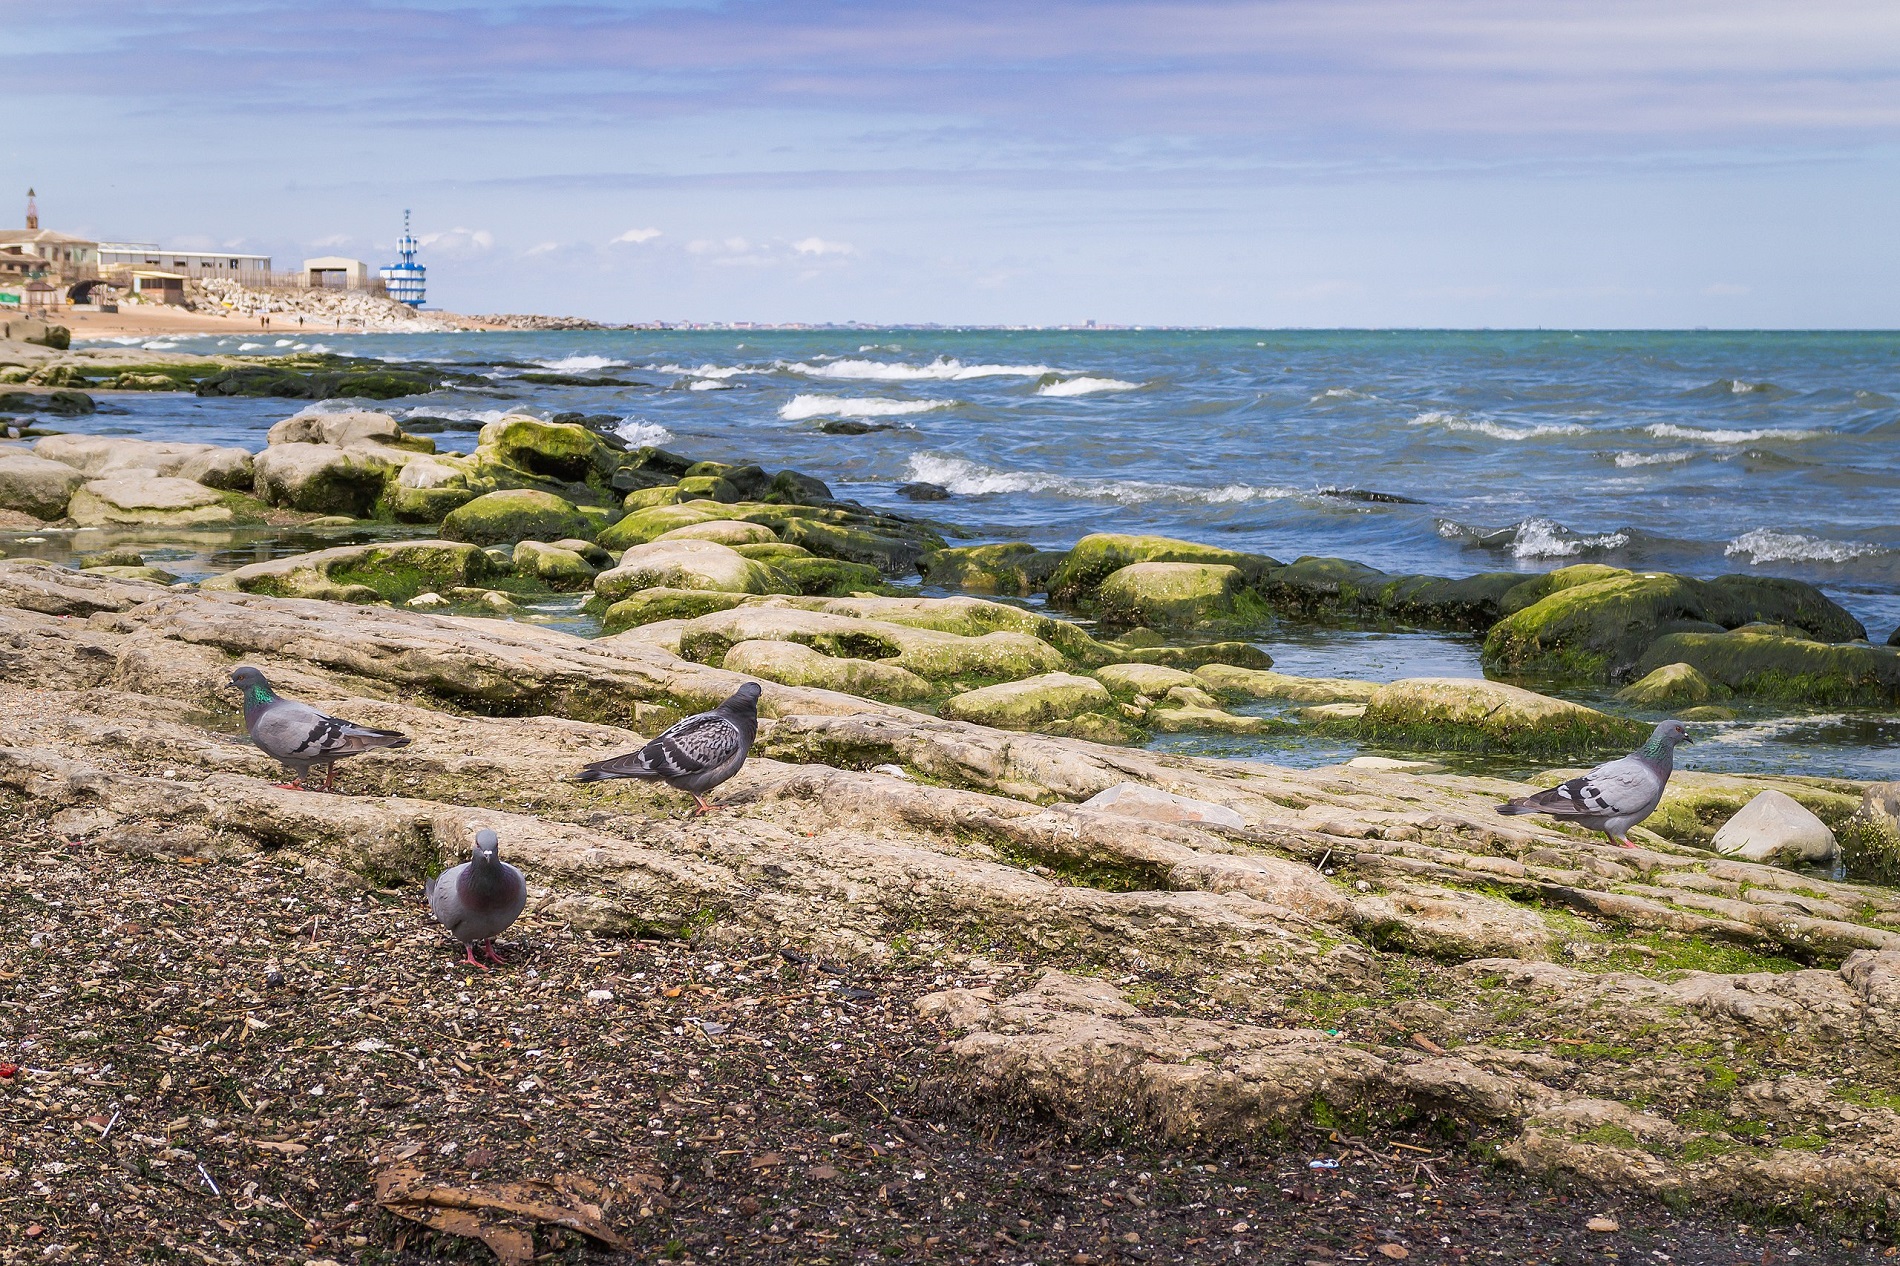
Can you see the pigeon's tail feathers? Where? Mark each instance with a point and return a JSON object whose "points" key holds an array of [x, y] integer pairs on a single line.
{"points": [[632, 765], [1516, 808], [363, 738]]}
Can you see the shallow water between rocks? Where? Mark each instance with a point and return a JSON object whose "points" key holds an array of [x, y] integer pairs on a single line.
{"points": [[1701, 453]]}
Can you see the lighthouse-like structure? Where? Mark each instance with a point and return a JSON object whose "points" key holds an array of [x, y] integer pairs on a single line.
{"points": [[404, 280]]}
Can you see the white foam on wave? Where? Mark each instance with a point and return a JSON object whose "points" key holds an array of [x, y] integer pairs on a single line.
{"points": [[483, 416], [1496, 430], [943, 369], [1547, 538], [1765, 545], [1085, 386], [579, 364], [1338, 393], [800, 407], [708, 384], [970, 479], [1625, 460], [639, 433], [247, 347], [704, 371], [1670, 431]]}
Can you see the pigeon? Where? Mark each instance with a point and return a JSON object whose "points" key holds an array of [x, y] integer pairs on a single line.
{"points": [[696, 754], [478, 900], [1615, 796], [299, 735]]}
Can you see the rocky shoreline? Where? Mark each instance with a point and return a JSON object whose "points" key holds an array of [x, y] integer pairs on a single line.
{"points": [[947, 780]]}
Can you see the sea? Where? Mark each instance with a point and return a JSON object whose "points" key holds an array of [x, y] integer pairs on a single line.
{"points": [[1444, 452]]}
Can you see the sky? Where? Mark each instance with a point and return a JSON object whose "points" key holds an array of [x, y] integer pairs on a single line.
{"points": [[1319, 163]]}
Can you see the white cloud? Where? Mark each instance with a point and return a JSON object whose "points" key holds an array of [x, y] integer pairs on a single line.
{"points": [[637, 236], [543, 248], [459, 240], [819, 246]]}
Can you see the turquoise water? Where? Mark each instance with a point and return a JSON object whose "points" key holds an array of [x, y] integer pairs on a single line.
{"points": [[1705, 453]]}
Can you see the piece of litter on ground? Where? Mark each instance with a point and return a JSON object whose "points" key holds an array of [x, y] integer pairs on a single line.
{"points": [[1603, 1224], [1322, 1163]]}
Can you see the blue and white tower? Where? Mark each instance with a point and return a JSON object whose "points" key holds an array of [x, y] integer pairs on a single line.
{"points": [[404, 280]]}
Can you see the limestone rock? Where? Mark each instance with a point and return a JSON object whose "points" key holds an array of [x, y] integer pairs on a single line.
{"points": [[661, 604], [1100, 554], [1179, 716], [930, 653], [148, 499], [321, 478], [1172, 595], [794, 664], [1151, 804], [1125, 681], [686, 563], [724, 531], [515, 514], [1672, 686], [36, 486], [346, 430], [548, 450], [1028, 704], [99, 456], [1774, 827], [1231, 682], [1013, 567], [1452, 923], [396, 571], [556, 567], [1460, 714]]}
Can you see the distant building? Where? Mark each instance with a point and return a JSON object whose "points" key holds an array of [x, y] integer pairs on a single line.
{"points": [[42, 254], [334, 272], [250, 270], [404, 280]]}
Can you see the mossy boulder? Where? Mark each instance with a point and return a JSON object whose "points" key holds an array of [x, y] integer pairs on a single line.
{"points": [[322, 478], [973, 617], [1672, 686], [774, 552], [153, 575], [794, 664], [1229, 682], [650, 606], [1765, 661], [157, 501], [749, 483], [651, 523], [789, 487], [1530, 592], [1012, 568], [558, 568], [349, 429], [1192, 717], [930, 653], [1175, 596], [687, 564], [1238, 654], [706, 488], [643, 498], [392, 572], [1032, 703], [828, 577], [1460, 714], [515, 514], [1598, 630], [724, 531], [891, 555], [1870, 838], [550, 450], [1099, 555], [1127, 681]]}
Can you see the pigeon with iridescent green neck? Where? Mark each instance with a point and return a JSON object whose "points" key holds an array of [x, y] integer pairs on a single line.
{"points": [[299, 736], [1615, 796]]}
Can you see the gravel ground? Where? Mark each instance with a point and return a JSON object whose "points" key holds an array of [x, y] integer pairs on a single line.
{"points": [[212, 1061]]}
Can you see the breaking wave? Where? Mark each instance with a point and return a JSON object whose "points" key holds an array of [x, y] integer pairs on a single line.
{"points": [[708, 384], [943, 369], [579, 364], [1626, 460], [800, 407], [1765, 545], [1534, 538], [1085, 386], [704, 371], [639, 433], [968, 478], [1497, 430], [1670, 431]]}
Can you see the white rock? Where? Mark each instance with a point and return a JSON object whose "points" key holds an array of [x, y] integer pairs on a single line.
{"points": [[1392, 765], [1774, 827], [1137, 800], [427, 600]]}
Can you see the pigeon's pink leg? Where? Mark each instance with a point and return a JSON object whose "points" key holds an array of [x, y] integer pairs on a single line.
{"points": [[471, 960], [329, 776], [1612, 839], [488, 948], [705, 806], [295, 784]]}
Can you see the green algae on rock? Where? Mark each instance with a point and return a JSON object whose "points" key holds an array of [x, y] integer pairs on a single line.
{"points": [[1450, 714], [795, 664], [1672, 686], [1774, 662], [515, 514], [1231, 682], [391, 572], [651, 606], [1176, 596], [1011, 568], [554, 566], [677, 563], [1031, 703], [1100, 554]]}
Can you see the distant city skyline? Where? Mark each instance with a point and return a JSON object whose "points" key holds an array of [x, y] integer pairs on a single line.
{"points": [[1288, 163]]}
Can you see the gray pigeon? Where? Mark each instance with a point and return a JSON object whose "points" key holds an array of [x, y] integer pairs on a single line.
{"points": [[694, 755], [1615, 796], [299, 735], [478, 900]]}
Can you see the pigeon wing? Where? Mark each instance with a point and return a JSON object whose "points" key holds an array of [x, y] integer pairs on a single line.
{"points": [[1622, 786], [298, 732], [698, 743]]}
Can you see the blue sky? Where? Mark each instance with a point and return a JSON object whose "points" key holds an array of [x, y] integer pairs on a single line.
{"points": [[1260, 162]]}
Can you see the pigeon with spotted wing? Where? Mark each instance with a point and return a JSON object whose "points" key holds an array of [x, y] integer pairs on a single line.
{"points": [[299, 736], [696, 754], [1615, 796], [478, 900]]}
